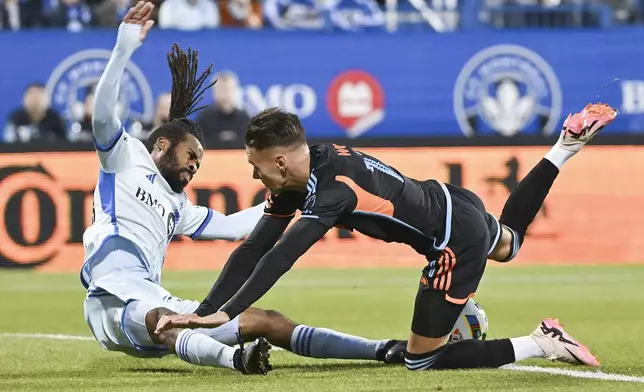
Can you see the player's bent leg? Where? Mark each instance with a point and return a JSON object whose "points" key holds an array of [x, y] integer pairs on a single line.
{"points": [[434, 318], [522, 207], [504, 248], [525, 201], [427, 349], [315, 342], [141, 318]]}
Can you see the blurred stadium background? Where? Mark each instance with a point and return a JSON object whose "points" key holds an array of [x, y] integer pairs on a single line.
{"points": [[467, 91]]}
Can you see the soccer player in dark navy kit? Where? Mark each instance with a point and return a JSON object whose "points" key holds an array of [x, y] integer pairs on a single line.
{"points": [[333, 185]]}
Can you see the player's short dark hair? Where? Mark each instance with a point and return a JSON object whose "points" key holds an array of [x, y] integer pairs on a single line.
{"points": [[274, 128], [187, 92]]}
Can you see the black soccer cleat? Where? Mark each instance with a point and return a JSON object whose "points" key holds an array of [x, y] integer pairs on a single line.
{"points": [[254, 358], [393, 352]]}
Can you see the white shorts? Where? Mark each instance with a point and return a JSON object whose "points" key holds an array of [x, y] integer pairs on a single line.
{"points": [[118, 302]]}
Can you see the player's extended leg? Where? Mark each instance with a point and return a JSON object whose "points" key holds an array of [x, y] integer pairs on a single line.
{"points": [[198, 348], [525, 201], [305, 340], [445, 286], [549, 341]]}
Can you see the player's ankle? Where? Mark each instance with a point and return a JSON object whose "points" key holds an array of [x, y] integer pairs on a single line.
{"points": [[558, 155], [526, 347]]}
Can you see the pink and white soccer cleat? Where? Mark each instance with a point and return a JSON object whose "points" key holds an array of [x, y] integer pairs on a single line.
{"points": [[580, 127], [559, 346]]}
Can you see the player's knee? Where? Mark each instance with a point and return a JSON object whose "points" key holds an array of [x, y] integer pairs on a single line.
{"points": [[152, 319], [276, 317], [508, 246], [254, 322], [503, 246], [261, 322]]}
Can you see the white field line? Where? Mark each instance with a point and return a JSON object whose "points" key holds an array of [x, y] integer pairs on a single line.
{"points": [[595, 375]]}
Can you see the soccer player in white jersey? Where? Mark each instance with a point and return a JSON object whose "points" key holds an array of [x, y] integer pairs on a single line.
{"points": [[139, 205]]}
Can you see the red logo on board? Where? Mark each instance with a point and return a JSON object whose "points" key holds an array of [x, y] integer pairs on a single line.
{"points": [[356, 102]]}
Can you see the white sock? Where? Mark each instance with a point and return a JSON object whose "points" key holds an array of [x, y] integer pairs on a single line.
{"points": [[325, 343], [199, 349], [525, 347], [226, 334], [559, 155]]}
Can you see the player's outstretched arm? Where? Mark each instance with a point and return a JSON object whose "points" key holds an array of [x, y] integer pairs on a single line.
{"points": [[297, 240], [271, 267], [131, 33], [233, 227], [242, 262]]}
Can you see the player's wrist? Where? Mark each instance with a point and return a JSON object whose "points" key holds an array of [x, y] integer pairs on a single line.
{"points": [[128, 38], [229, 312]]}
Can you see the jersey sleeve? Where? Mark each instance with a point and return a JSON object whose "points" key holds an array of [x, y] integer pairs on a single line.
{"points": [[204, 223], [117, 155], [327, 202], [194, 220], [113, 145]]}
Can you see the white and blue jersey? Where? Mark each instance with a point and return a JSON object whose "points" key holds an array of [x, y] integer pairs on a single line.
{"points": [[132, 200], [135, 216]]}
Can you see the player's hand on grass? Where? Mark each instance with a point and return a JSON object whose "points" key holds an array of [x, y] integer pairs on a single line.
{"points": [[191, 320], [141, 15]]}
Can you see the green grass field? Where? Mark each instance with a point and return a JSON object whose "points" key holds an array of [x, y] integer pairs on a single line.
{"points": [[601, 306]]}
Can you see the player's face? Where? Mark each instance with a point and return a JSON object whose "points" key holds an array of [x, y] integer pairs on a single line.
{"points": [[268, 168], [181, 162]]}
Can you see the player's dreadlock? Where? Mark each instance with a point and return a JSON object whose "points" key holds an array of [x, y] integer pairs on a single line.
{"points": [[187, 92], [187, 89]]}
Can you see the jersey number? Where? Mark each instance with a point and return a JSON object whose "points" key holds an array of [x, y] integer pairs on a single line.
{"points": [[342, 150]]}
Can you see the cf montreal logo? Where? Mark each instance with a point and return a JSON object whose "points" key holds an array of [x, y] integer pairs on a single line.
{"points": [[75, 76], [172, 223], [507, 89]]}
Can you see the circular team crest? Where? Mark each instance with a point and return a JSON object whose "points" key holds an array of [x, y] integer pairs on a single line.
{"points": [[172, 224], [355, 101], [76, 76], [507, 90]]}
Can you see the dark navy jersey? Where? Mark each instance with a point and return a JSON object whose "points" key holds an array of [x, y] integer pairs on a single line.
{"points": [[353, 190], [346, 188]]}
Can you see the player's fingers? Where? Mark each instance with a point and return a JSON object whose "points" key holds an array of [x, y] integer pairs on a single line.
{"points": [[129, 16], [164, 324], [146, 27], [147, 12], [141, 10]]}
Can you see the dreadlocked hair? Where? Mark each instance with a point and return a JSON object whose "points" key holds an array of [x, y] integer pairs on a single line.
{"points": [[187, 92]]}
